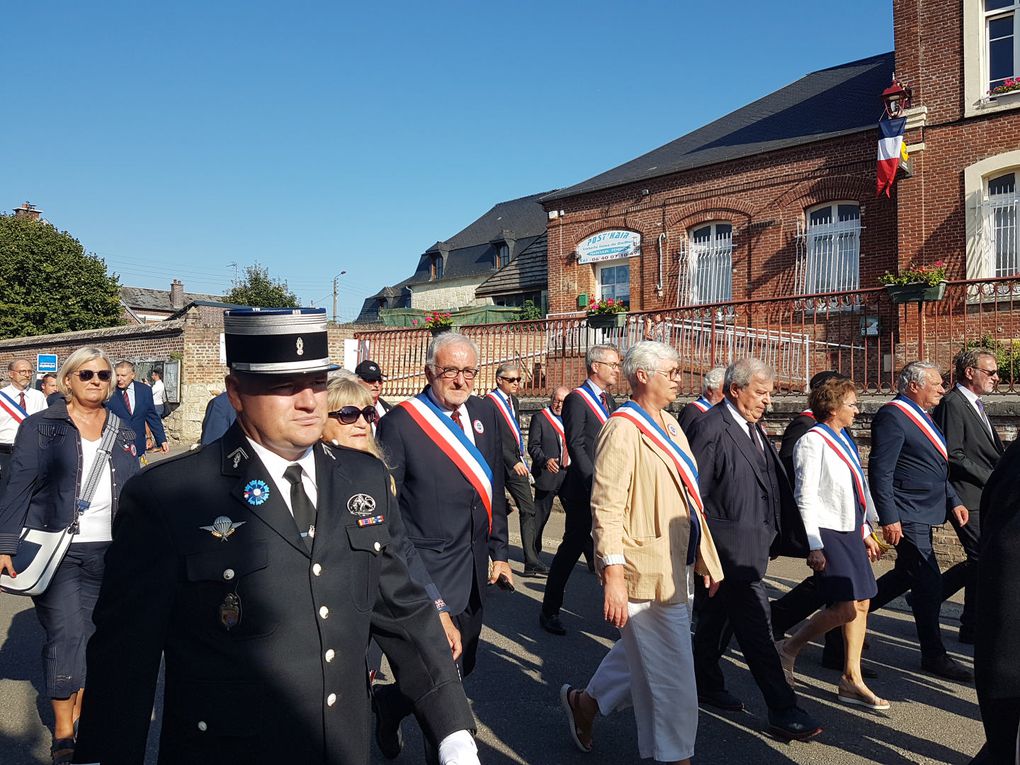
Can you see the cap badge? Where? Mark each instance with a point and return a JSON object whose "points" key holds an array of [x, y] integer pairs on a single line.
{"points": [[300, 344], [256, 492], [361, 504], [222, 527]]}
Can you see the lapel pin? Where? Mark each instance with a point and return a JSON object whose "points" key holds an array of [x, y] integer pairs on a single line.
{"points": [[479, 428], [222, 527], [256, 492], [236, 456]]}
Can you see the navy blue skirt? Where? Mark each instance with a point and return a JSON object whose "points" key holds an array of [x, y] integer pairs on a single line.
{"points": [[848, 574]]}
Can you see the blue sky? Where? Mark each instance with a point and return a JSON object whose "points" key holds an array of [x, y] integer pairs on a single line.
{"points": [[175, 139]]}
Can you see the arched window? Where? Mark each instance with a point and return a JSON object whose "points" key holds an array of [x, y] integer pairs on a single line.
{"points": [[706, 265], [830, 248]]}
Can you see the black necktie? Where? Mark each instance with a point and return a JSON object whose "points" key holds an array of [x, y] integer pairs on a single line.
{"points": [[754, 435], [304, 510]]}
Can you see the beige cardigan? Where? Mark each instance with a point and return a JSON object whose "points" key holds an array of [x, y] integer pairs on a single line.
{"points": [[640, 511]]}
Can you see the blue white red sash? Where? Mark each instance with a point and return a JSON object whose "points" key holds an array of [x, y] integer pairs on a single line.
{"points": [[508, 414], [561, 434], [684, 464], [594, 402], [846, 450], [808, 413], [455, 444], [10, 406], [924, 423], [702, 404]]}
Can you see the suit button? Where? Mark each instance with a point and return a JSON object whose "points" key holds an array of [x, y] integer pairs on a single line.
{"points": [[331, 699], [316, 569], [202, 726], [330, 654], [324, 612], [228, 574], [377, 547]]}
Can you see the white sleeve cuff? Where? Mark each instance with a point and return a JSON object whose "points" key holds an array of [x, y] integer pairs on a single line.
{"points": [[458, 749], [613, 560]]}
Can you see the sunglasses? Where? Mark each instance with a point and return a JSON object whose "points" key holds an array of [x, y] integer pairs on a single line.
{"points": [[349, 414], [511, 379], [85, 375]]}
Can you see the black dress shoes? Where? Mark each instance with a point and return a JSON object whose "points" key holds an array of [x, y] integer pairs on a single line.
{"points": [[537, 571], [551, 623], [793, 724], [723, 700], [947, 667]]}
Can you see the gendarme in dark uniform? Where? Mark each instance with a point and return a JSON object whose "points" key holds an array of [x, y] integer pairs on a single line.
{"points": [[264, 629]]}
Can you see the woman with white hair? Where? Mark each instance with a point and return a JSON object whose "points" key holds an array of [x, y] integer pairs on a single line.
{"points": [[650, 534]]}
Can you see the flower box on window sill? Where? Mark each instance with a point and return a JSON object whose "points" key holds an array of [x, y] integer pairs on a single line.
{"points": [[916, 292], [607, 320], [1012, 98]]}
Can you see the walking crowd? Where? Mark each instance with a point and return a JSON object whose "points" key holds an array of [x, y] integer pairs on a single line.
{"points": [[319, 527]]}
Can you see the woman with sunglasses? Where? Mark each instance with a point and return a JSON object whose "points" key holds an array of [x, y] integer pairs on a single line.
{"points": [[53, 456]]}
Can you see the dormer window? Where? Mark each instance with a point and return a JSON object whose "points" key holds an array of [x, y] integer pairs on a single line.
{"points": [[502, 255], [436, 267]]}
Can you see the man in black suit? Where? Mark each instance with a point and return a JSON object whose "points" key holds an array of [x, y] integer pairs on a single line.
{"points": [[260, 566], [454, 511], [370, 375], [711, 394], [504, 402], [974, 450], [908, 471], [750, 508], [132, 402], [584, 412], [547, 446], [997, 649]]}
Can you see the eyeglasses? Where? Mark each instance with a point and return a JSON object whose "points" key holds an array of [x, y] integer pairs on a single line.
{"points": [[22, 371], [510, 379], [611, 364], [989, 372], [671, 374], [348, 415], [85, 375], [449, 373]]}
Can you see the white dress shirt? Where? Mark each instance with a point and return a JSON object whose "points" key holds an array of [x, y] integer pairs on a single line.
{"points": [[973, 398], [465, 417], [276, 466], [35, 401]]}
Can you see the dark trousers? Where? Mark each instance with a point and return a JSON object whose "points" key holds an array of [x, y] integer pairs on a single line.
{"points": [[745, 606], [965, 574], [576, 542], [1001, 718], [65, 613], [543, 508], [519, 488], [916, 569]]}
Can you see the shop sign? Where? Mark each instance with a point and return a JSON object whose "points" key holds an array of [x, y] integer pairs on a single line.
{"points": [[609, 245]]}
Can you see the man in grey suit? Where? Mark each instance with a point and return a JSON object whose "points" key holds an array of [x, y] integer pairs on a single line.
{"points": [[974, 449]]}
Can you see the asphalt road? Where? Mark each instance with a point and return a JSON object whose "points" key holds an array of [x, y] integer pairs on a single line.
{"points": [[520, 669]]}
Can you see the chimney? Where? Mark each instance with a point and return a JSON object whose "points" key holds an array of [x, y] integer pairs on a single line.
{"points": [[27, 210], [177, 294]]}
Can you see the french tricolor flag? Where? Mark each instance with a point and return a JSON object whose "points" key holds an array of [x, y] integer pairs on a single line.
{"points": [[891, 150]]}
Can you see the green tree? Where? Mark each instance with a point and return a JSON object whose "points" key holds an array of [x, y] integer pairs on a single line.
{"points": [[259, 290], [49, 283]]}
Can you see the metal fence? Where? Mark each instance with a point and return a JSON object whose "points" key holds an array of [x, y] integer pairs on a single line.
{"points": [[861, 333]]}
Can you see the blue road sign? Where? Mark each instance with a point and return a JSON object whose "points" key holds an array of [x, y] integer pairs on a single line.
{"points": [[46, 362]]}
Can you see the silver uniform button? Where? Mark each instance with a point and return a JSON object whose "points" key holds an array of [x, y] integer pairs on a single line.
{"points": [[316, 569], [377, 547], [331, 699], [330, 654], [228, 574], [202, 726], [324, 612]]}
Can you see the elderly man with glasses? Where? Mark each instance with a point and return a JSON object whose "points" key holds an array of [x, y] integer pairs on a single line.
{"points": [[17, 400], [446, 456]]}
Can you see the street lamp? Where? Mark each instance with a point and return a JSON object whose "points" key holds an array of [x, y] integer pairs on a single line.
{"points": [[336, 281], [897, 98]]}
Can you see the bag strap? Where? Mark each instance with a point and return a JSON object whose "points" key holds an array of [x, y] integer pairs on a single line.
{"points": [[102, 456]]}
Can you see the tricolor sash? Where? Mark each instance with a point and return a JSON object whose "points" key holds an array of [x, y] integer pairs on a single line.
{"points": [[455, 444], [846, 450], [594, 402], [702, 403], [808, 413], [508, 414], [923, 422], [557, 425], [10, 406], [684, 464]]}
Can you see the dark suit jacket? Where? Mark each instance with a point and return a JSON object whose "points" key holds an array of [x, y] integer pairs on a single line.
{"points": [[543, 445], [582, 430], [385, 404], [511, 453], [144, 412], [909, 479], [997, 652], [973, 450], [260, 692], [444, 516], [219, 416], [798, 426], [736, 493], [688, 415]]}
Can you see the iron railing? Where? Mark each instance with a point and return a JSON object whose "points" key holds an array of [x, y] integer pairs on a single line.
{"points": [[861, 333]]}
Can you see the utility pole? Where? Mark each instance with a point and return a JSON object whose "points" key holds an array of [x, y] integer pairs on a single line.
{"points": [[336, 282]]}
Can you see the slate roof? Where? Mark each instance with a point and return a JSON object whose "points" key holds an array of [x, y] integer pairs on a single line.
{"points": [[825, 104], [143, 299], [528, 271]]}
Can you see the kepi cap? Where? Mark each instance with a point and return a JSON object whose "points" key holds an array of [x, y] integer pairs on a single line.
{"points": [[369, 371], [277, 341]]}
